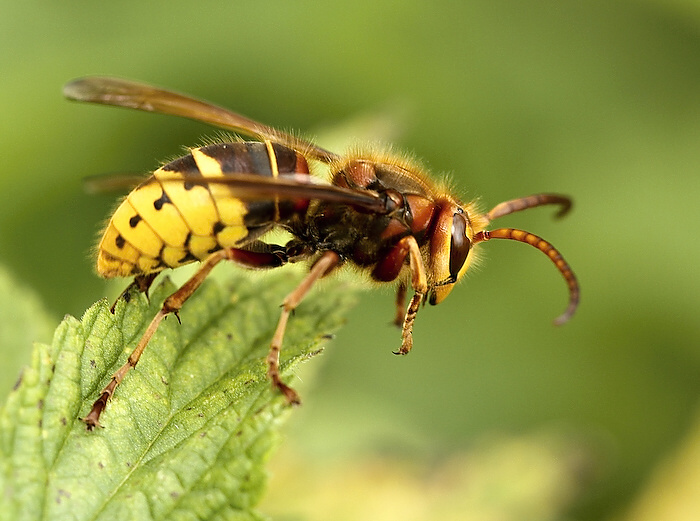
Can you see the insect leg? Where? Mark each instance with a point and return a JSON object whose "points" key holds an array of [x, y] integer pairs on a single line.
{"points": [[400, 304], [173, 304], [321, 267], [141, 282], [419, 284]]}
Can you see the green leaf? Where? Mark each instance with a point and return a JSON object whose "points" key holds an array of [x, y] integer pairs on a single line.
{"points": [[23, 320], [187, 432]]}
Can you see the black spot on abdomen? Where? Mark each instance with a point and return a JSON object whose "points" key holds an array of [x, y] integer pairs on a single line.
{"points": [[164, 199]]}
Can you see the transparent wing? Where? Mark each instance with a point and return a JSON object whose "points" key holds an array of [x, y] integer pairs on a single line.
{"points": [[251, 187], [287, 186], [125, 93]]}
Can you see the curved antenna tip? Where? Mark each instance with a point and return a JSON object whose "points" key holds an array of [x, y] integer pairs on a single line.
{"points": [[566, 315]]}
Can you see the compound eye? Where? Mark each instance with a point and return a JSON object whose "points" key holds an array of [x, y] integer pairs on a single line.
{"points": [[459, 245]]}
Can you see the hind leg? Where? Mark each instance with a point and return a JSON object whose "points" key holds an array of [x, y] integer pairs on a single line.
{"points": [[173, 304]]}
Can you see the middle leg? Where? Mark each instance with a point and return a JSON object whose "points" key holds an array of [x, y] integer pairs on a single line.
{"points": [[321, 267]]}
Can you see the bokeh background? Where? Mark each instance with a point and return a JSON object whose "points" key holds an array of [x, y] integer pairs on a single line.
{"points": [[496, 414]]}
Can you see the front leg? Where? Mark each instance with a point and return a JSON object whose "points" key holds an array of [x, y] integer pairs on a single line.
{"points": [[419, 283], [400, 304]]}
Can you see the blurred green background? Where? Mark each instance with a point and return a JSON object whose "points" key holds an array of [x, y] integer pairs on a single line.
{"points": [[599, 100]]}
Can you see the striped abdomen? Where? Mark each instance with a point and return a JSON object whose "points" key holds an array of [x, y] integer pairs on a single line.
{"points": [[165, 223]]}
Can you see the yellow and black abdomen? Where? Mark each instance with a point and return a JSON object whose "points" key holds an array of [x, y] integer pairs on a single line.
{"points": [[166, 222]]}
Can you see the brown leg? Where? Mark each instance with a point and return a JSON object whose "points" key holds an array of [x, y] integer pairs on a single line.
{"points": [[321, 267], [420, 287], [400, 304], [141, 282], [172, 304]]}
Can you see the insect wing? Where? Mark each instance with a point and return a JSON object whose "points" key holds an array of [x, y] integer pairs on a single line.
{"points": [[109, 183], [285, 187], [130, 94]]}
